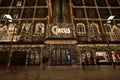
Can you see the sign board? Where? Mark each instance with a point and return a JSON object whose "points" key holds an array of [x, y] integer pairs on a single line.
{"points": [[60, 30]]}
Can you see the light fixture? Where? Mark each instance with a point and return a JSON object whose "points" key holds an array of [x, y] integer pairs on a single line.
{"points": [[8, 17], [110, 18], [108, 22]]}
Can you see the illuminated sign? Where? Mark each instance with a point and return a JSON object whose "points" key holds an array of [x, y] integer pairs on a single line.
{"points": [[56, 30], [60, 30]]}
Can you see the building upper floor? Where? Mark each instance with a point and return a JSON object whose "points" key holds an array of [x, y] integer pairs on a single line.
{"points": [[83, 20]]}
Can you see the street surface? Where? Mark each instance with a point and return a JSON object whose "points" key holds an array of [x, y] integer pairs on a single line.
{"points": [[60, 73]]}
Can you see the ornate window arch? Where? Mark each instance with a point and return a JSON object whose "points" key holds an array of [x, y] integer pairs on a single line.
{"points": [[107, 28], [95, 28], [39, 28], [80, 28], [28, 13], [15, 14], [115, 31], [26, 27], [11, 28]]}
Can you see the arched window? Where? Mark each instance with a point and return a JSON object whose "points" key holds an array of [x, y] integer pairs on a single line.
{"points": [[39, 28], [15, 14], [28, 13], [25, 27], [115, 33], [80, 27], [11, 28], [107, 28], [4, 33], [95, 29]]}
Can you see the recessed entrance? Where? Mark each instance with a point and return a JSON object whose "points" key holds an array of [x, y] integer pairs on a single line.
{"points": [[61, 57]]}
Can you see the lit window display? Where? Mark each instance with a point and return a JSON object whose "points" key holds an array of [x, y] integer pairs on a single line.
{"points": [[103, 56], [19, 3], [116, 56], [39, 29]]}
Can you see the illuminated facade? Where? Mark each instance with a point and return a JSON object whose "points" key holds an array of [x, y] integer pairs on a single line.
{"points": [[61, 30]]}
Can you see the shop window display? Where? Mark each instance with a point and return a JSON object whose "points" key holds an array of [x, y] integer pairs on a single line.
{"points": [[116, 56], [103, 56]]}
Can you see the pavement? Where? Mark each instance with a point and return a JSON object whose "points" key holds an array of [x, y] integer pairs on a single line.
{"points": [[104, 72]]}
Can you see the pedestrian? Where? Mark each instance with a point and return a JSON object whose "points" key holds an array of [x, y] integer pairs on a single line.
{"points": [[46, 61], [97, 60], [83, 61], [68, 59], [86, 61], [43, 62], [92, 59]]}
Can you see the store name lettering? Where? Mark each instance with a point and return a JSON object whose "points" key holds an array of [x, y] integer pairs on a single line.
{"points": [[56, 30]]}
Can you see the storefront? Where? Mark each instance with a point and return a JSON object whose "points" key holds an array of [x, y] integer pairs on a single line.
{"points": [[60, 54]]}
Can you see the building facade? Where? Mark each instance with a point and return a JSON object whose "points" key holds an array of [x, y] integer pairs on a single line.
{"points": [[62, 30]]}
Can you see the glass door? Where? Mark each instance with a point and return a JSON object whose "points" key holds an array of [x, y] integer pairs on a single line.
{"points": [[61, 57], [34, 58]]}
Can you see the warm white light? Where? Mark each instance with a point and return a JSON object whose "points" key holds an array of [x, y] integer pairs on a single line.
{"points": [[110, 18], [108, 22], [7, 16]]}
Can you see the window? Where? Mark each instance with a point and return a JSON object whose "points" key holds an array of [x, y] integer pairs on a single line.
{"points": [[92, 13], [39, 28], [104, 13], [89, 2], [5, 2], [11, 28], [41, 13], [77, 2], [113, 2], [26, 26], [2, 12], [42, 3], [101, 2], [79, 13], [116, 12], [15, 13], [80, 27], [30, 3], [107, 28], [95, 28], [28, 13], [19, 3]]}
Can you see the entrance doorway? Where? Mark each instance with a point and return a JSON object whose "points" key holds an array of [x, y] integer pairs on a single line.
{"points": [[61, 56], [34, 58]]}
